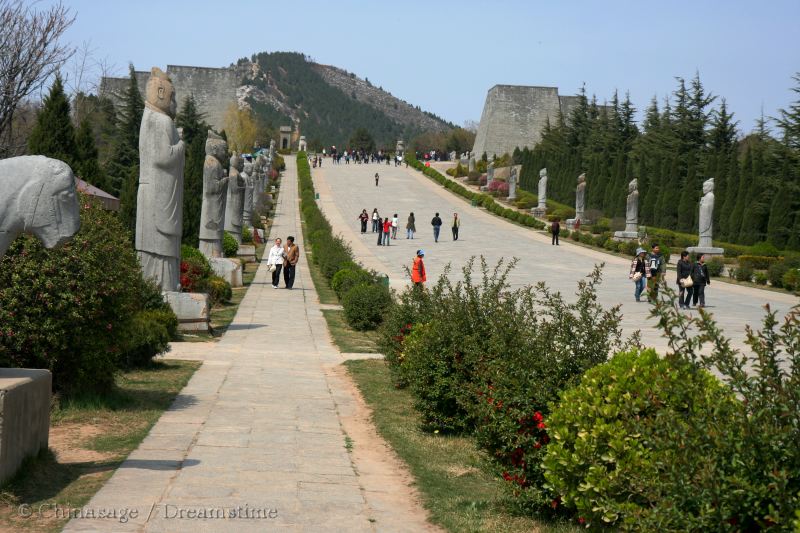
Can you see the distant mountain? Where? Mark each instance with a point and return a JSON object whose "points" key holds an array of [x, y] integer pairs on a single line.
{"points": [[327, 103]]}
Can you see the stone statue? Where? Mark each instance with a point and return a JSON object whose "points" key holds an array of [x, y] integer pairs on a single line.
{"points": [[260, 168], [471, 164], [272, 150], [235, 202], [400, 148], [37, 196], [302, 146], [707, 213], [215, 191], [159, 211], [512, 183], [247, 210], [632, 209], [490, 174], [580, 197], [542, 189]]}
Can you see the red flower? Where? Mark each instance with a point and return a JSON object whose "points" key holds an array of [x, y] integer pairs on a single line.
{"points": [[537, 416], [581, 520], [506, 476], [555, 502], [545, 439], [537, 445], [541, 425]]}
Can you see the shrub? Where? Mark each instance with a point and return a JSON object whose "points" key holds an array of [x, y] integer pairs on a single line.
{"points": [[474, 175], [331, 254], [247, 236], [757, 262], [776, 272], [791, 280], [764, 249], [229, 245], [148, 334], [347, 278], [743, 273], [715, 267], [633, 435], [365, 305], [601, 226], [218, 290], [68, 309], [195, 270], [450, 172], [760, 278], [460, 171]]}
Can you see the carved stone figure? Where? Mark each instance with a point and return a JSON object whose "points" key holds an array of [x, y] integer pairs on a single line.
{"points": [[512, 184], [542, 189], [272, 150], [247, 210], [707, 213], [471, 164], [400, 148], [632, 209], [260, 169], [159, 211], [235, 203], [37, 196], [580, 197], [215, 191], [490, 174], [301, 144]]}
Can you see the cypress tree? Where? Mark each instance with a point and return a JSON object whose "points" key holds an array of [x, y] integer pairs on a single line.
{"points": [[789, 120], [689, 196], [88, 167], [53, 134], [195, 131]]}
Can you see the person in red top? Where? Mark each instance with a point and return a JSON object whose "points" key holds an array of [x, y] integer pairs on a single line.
{"points": [[418, 269], [387, 230]]}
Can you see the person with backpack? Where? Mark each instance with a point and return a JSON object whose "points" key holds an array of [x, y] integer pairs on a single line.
{"points": [[639, 273], [411, 227], [555, 229], [700, 279], [363, 217], [684, 268], [436, 222], [418, 270]]}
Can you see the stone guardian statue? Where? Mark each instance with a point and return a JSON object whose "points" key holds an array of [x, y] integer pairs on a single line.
{"points": [[580, 198], [159, 212], [215, 191], [37, 196], [235, 203], [632, 208], [543, 189], [249, 185], [512, 183], [706, 245]]}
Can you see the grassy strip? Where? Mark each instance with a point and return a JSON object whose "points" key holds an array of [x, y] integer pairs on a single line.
{"points": [[456, 481], [347, 339], [89, 439]]}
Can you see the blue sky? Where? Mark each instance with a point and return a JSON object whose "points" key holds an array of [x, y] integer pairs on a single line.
{"points": [[445, 55]]}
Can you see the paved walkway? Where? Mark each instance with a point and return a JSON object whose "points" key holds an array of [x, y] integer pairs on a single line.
{"points": [[260, 430], [347, 189]]}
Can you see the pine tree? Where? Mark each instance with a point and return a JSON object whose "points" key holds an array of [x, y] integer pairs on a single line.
{"points": [[195, 131], [53, 134], [789, 120], [88, 167], [689, 195]]}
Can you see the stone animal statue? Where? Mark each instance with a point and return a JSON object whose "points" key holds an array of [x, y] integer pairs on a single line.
{"points": [[37, 196]]}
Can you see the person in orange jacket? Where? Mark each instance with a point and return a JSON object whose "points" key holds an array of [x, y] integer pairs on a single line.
{"points": [[418, 269]]}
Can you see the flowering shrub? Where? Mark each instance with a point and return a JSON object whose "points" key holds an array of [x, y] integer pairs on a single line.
{"points": [[499, 188], [194, 273]]}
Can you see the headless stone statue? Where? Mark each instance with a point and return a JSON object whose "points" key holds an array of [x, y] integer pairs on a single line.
{"points": [[37, 196], [215, 191], [235, 203], [632, 209], [159, 212], [247, 210], [543, 189], [580, 197], [707, 213]]}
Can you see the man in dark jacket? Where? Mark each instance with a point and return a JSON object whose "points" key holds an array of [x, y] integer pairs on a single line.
{"points": [[700, 279], [555, 229], [655, 263], [684, 268], [436, 222]]}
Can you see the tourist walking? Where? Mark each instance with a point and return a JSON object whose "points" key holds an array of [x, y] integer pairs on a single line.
{"points": [[375, 218], [387, 231], [656, 265], [436, 222], [639, 273], [380, 231], [376, 179], [290, 262], [394, 225], [364, 218], [275, 260], [456, 225], [418, 269], [700, 279], [684, 268], [555, 229], [411, 227]]}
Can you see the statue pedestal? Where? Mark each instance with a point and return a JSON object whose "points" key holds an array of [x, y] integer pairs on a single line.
{"points": [[626, 235], [24, 416], [228, 269], [191, 308], [247, 252], [539, 212], [707, 250]]}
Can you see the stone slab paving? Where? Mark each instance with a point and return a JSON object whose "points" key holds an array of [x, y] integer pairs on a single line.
{"points": [[347, 189], [258, 430]]}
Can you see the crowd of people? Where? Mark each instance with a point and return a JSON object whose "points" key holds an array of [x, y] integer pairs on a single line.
{"points": [[358, 157], [386, 227], [648, 271]]}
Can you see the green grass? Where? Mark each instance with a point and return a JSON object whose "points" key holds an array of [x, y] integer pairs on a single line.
{"points": [[456, 481], [347, 339], [92, 435]]}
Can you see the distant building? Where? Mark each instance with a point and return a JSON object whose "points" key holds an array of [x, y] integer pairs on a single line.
{"points": [[110, 203]]}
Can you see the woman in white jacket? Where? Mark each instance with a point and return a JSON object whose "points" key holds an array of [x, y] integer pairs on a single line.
{"points": [[275, 262]]}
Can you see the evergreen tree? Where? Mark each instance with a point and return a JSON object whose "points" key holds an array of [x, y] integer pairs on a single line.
{"points": [[195, 131], [88, 167], [53, 134], [789, 120]]}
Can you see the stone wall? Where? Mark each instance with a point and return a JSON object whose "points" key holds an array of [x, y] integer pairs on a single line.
{"points": [[214, 89], [24, 416], [515, 116]]}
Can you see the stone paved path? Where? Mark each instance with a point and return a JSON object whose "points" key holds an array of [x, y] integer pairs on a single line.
{"points": [[261, 426], [347, 189]]}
